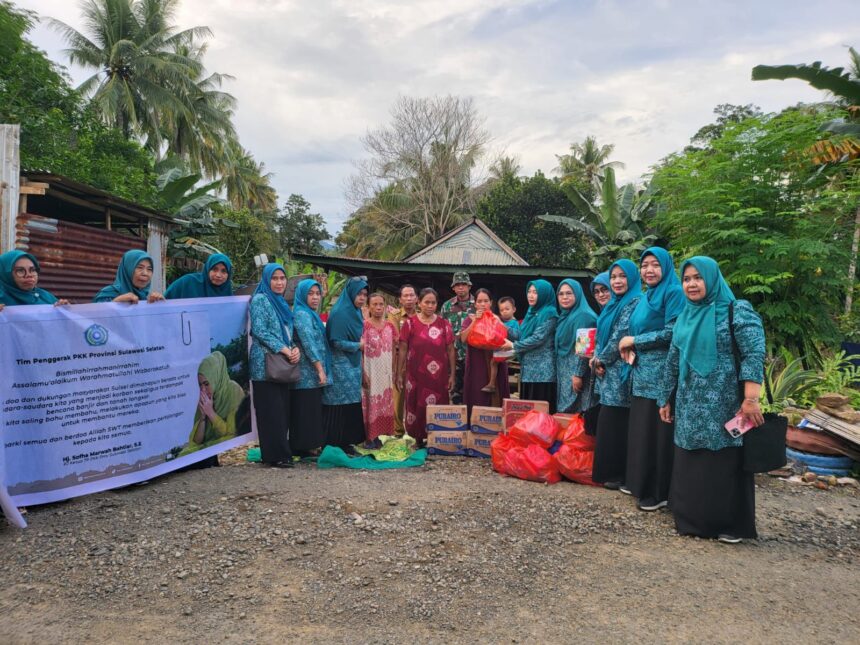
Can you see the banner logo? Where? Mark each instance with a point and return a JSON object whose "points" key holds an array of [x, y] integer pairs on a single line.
{"points": [[96, 335]]}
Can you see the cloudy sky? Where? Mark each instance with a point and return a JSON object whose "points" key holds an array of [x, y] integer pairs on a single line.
{"points": [[312, 76]]}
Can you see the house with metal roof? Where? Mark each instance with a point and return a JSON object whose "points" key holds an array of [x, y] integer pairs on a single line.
{"points": [[471, 247]]}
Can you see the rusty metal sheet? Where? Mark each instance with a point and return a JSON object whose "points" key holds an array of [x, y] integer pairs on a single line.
{"points": [[76, 260]]}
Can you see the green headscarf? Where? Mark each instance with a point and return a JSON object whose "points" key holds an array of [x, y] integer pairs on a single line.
{"points": [[198, 285], [345, 321], [695, 331], [579, 316], [10, 294], [543, 310], [226, 393], [123, 281]]}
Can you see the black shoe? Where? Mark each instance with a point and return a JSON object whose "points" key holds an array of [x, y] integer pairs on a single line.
{"points": [[283, 464], [729, 539], [651, 505], [625, 490], [612, 485]]}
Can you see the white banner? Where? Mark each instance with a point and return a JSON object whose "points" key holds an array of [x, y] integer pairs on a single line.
{"points": [[106, 395]]}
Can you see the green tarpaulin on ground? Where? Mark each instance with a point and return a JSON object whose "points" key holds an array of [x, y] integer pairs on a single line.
{"points": [[332, 457]]}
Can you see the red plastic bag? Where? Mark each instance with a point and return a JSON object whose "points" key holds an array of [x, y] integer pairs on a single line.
{"points": [[501, 445], [488, 332], [532, 463], [575, 458], [536, 427]]}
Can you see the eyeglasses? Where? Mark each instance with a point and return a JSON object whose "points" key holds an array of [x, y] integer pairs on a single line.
{"points": [[22, 272]]}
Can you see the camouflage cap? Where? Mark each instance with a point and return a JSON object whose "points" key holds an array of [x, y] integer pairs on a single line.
{"points": [[461, 277]]}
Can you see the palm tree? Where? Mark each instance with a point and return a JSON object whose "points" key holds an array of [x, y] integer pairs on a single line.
{"points": [[614, 224], [247, 183], [586, 164], [504, 167], [145, 74]]}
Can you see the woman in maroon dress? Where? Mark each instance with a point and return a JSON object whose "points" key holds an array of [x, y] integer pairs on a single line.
{"points": [[426, 362], [477, 373]]}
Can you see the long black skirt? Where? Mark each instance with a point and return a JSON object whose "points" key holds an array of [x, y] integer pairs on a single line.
{"points": [[590, 417], [306, 424], [343, 425], [650, 448], [272, 407], [540, 392], [610, 448], [711, 495]]}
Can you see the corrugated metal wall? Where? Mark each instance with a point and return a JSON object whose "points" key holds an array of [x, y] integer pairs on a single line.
{"points": [[76, 260]]}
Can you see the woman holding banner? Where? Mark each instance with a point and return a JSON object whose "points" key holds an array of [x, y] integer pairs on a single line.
{"points": [[213, 281], [19, 277], [133, 277], [272, 333]]}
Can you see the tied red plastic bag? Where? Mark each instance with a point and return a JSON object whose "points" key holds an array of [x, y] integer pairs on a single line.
{"points": [[532, 463], [488, 332], [575, 458], [535, 427], [500, 446]]}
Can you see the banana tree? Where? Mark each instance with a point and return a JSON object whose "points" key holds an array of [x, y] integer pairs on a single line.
{"points": [[615, 223]]}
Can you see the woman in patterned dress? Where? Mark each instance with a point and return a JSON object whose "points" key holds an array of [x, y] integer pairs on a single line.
{"points": [[650, 441], [479, 363], [307, 434], [711, 495], [342, 417], [536, 345], [575, 392], [613, 374], [377, 392], [427, 361]]}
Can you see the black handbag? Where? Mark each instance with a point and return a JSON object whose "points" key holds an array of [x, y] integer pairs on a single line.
{"points": [[764, 445], [280, 370]]}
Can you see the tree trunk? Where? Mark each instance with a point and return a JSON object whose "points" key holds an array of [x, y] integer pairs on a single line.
{"points": [[852, 266]]}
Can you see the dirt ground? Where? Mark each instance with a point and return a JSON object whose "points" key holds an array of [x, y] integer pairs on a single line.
{"points": [[448, 553]]}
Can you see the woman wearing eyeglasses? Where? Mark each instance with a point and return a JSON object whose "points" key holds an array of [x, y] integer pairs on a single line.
{"points": [[19, 277]]}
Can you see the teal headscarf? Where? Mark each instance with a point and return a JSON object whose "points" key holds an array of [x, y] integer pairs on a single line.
{"points": [[579, 316], [544, 309], [10, 294], [695, 331], [300, 303], [198, 285], [124, 272], [601, 279], [662, 303], [345, 321], [278, 302], [610, 312]]}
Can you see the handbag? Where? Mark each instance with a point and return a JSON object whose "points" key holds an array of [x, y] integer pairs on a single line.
{"points": [[279, 369], [764, 445]]}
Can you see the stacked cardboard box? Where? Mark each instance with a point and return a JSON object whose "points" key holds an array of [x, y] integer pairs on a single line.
{"points": [[486, 424], [447, 429], [514, 409]]}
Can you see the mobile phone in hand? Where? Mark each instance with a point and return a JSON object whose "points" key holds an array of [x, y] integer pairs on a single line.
{"points": [[738, 425]]}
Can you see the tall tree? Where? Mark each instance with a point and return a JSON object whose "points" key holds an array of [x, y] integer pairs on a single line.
{"points": [[513, 208], [149, 80], [247, 183], [420, 173], [300, 230], [586, 164]]}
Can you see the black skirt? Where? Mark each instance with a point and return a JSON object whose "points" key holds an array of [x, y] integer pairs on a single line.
{"points": [[272, 407], [610, 449], [343, 425], [306, 425], [590, 417], [650, 448], [539, 392], [711, 495]]}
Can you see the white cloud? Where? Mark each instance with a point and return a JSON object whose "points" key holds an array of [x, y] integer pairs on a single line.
{"points": [[313, 77]]}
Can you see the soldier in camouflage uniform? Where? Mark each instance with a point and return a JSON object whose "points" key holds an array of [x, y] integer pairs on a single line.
{"points": [[456, 311]]}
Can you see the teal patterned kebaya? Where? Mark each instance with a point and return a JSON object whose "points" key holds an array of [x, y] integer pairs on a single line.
{"points": [[703, 404], [615, 385], [537, 354], [266, 335]]}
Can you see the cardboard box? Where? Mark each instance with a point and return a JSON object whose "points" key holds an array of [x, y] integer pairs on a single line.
{"points": [[487, 420], [513, 409], [478, 444], [447, 442], [447, 417]]}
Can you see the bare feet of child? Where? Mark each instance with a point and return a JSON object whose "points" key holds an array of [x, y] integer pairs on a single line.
{"points": [[491, 388]]}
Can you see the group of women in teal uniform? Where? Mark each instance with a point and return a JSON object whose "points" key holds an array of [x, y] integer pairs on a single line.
{"points": [[666, 380]]}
